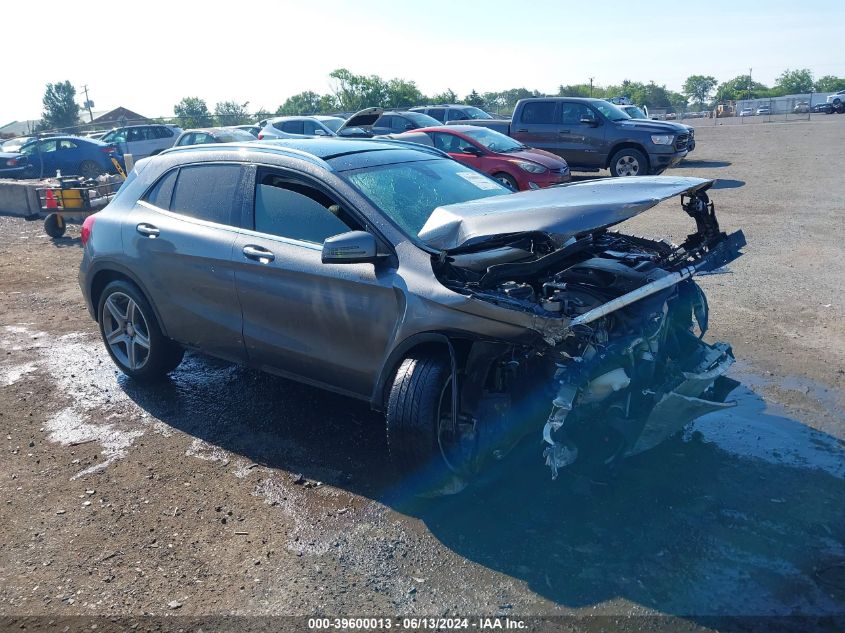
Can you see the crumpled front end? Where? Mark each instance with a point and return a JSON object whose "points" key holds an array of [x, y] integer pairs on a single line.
{"points": [[621, 324]]}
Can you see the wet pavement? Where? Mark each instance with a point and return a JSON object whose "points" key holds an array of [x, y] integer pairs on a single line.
{"points": [[740, 515]]}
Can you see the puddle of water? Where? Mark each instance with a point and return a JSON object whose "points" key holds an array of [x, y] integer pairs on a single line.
{"points": [[756, 430]]}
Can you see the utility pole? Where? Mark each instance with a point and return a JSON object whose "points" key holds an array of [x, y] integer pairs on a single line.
{"points": [[748, 93], [591, 87], [88, 103]]}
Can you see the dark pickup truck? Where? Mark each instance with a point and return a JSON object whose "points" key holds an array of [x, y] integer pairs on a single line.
{"points": [[593, 134]]}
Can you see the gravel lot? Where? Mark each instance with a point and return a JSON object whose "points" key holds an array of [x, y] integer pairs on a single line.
{"points": [[225, 491]]}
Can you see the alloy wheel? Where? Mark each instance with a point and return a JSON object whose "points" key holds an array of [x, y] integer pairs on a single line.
{"points": [[126, 331], [627, 166]]}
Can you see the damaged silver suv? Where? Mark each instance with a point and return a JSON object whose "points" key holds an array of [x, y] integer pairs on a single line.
{"points": [[388, 272]]}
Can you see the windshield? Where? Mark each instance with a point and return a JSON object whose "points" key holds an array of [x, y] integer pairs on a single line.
{"points": [[420, 119], [610, 111], [476, 113], [115, 136], [230, 136], [409, 192], [635, 113], [494, 141], [333, 123], [15, 144]]}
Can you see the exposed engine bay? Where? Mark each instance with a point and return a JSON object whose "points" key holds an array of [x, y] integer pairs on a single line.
{"points": [[621, 325]]}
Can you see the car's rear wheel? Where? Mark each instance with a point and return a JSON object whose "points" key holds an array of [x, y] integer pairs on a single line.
{"points": [[132, 334], [507, 180], [424, 443], [628, 162], [89, 169]]}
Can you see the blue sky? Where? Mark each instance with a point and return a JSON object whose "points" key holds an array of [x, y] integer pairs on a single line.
{"points": [[148, 56]]}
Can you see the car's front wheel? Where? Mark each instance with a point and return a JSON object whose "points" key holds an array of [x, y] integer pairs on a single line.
{"points": [[424, 442], [132, 334], [507, 180], [628, 162]]}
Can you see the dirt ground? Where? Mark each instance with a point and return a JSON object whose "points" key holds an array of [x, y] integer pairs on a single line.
{"points": [[225, 491]]}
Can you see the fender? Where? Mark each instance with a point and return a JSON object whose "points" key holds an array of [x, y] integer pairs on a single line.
{"points": [[108, 265]]}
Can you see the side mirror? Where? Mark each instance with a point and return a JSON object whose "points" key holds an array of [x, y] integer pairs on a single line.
{"points": [[353, 247], [471, 149], [409, 126], [589, 120], [319, 132]]}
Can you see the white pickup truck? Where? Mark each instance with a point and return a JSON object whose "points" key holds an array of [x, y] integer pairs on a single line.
{"points": [[837, 100]]}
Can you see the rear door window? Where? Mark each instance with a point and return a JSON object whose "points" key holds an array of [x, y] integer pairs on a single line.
{"points": [[291, 209], [208, 192], [456, 114], [293, 127], [437, 113], [538, 112]]}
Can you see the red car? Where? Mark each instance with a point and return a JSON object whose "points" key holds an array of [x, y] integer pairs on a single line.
{"points": [[493, 153]]}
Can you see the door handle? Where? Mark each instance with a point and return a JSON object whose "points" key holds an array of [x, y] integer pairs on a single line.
{"points": [[147, 229], [259, 254], [564, 131], [518, 131]]}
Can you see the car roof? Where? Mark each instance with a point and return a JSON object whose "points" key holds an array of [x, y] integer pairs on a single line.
{"points": [[321, 148], [296, 117]]}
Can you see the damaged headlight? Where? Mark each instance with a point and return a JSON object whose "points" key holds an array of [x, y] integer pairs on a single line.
{"points": [[533, 168], [662, 139]]}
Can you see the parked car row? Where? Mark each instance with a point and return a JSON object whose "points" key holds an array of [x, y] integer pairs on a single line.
{"points": [[537, 147]]}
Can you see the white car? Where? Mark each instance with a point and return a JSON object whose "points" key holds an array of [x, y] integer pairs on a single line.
{"points": [[298, 126], [746, 112], [142, 140], [836, 99]]}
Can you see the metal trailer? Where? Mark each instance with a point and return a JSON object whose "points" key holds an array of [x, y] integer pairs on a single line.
{"points": [[74, 196]]}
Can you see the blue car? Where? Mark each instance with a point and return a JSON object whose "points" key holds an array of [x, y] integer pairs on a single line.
{"points": [[71, 155]]}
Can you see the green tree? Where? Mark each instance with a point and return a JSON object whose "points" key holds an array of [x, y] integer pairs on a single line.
{"points": [[792, 82], [445, 97], [829, 83], [307, 102], [474, 99], [328, 104], [60, 108], [192, 112], [261, 114], [355, 92], [741, 87], [400, 93], [576, 90], [698, 88], [232, 113]]}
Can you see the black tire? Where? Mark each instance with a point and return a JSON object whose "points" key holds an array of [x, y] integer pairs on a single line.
{"points": [[419, 399], [89, 169], [162, 355], [507, 180], [628, 162], [54, 225]]}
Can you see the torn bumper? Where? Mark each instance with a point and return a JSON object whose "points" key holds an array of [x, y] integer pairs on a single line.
{"points": [[685, 403]]}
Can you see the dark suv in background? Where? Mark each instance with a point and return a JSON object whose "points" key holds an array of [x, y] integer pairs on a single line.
{"points": [[379, 122], [453, 112]]}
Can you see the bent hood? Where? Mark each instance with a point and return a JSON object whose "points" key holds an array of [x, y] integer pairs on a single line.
{"points": [[562, 211]]}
